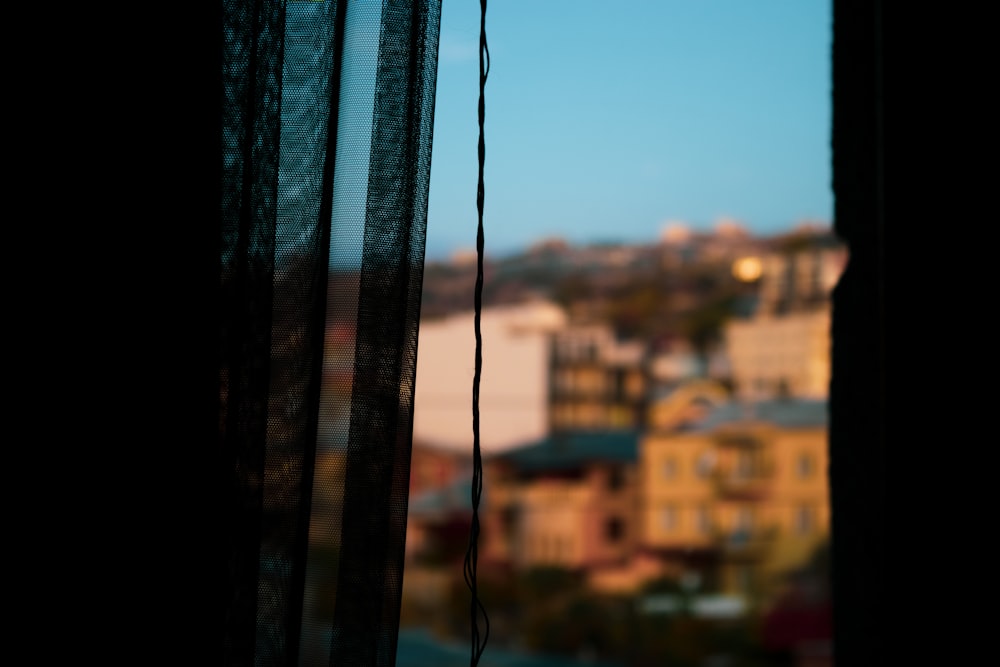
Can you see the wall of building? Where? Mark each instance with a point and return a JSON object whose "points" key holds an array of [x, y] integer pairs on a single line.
{"points": [[596, 381], [755, 494], [563, 520], [790, 354], [677, 491], [514, 385]]}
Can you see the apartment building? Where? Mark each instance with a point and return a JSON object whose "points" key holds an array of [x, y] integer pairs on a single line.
{"points": [[596, 381], [568, 501], [740, 497]]}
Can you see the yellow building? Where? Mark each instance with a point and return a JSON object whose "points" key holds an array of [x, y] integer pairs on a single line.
{"points": [[742, 497]]}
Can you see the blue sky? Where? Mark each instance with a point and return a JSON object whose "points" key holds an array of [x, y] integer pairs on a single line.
{"points": [[606, 120]]}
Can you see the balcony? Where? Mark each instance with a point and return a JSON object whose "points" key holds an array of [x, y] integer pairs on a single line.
{"points": [[753, 483]]}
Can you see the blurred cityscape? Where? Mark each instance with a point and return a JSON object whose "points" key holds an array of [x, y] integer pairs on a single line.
{"points": [[654, 426]]}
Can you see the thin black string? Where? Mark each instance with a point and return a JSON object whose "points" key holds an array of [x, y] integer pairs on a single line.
{"points": [[472, 556]]}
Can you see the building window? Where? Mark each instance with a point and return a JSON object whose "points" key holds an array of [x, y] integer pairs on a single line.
{"points": [[670, 468], [616, 478], [508, 519], [619, 385], [784, 388], [805, 466], [804, 520], [633, 385], [705, 464], [668, 518], [744, 520], [744, 465], [614, 529], [704, 520]]}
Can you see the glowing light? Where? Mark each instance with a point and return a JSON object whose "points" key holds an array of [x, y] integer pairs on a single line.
{"points": [[747, 269]]}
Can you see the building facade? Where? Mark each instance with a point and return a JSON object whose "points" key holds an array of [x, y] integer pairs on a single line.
{"points": [[780, 355], [595, 381], [567, 501], [783, 349], [741, 498], [514, 392]]}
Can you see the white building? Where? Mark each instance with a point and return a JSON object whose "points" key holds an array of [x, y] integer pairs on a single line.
{"points": [[513, 398]]}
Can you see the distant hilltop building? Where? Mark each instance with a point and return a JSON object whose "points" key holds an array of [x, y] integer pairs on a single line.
{"points": [[464, 256], [728, 239], [813, 227], [675, 233], [549, 244], [730, 228]]}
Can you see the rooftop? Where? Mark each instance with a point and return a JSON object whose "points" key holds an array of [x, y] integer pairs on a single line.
{"points": [[455, 498], [572, 450], [785, 413]]}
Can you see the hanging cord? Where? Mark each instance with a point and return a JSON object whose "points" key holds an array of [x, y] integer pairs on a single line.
{"points": [[472, 555]]}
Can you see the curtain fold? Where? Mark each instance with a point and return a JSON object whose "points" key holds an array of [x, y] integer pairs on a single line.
{"points": [[326, 127]]}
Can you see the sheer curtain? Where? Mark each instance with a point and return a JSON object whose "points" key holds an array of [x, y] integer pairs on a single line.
{"points": [[327, 114]]}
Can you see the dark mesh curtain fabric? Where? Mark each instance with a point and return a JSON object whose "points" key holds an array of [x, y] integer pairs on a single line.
{"points": [[327, 111]]}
